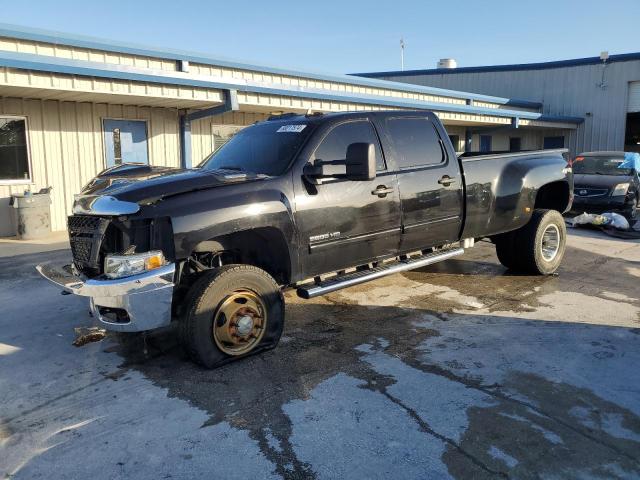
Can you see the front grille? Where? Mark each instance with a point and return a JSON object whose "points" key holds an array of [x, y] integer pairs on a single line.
{"points": [[589, 192], [85, 236]]}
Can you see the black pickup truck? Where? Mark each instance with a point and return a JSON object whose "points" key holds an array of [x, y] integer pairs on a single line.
{"points": [[312, 202]]}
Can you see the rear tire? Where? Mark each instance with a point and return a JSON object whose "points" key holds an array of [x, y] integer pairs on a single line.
{"points": [[505, 249], [541, 243], [231, 312]]}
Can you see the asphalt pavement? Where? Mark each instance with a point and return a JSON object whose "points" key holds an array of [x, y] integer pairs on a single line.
{"points": [[458, 370]]}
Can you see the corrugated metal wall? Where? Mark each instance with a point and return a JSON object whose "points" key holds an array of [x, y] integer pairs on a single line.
{"points": [[66, 147], [570, 90]]}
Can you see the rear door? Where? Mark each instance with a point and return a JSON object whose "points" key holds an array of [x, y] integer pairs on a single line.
{"points": [[343, 223], [429, 182]]}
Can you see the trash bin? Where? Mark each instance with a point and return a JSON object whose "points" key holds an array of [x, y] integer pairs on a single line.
{"points": [[32, 214]]}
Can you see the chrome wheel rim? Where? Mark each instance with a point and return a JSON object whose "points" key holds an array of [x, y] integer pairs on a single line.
{"points": [[550, 242], [239, 322]]}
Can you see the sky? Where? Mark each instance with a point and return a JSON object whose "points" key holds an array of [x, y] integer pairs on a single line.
{"points": [[350, 36]]}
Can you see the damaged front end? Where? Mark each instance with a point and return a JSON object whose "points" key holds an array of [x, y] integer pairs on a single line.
{"points": [[135, 293]]}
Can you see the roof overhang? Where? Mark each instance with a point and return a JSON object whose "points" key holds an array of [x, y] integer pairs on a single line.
{"points": [[212, 88]]}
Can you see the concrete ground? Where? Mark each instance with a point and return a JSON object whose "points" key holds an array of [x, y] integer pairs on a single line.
{"points": [[458, 370]]}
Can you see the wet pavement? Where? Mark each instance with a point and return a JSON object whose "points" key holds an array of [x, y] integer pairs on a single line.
{"points": [[459, 370]]}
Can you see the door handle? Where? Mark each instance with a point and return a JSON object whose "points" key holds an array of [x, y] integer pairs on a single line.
{"points": [[382, 191], [446, 180]]}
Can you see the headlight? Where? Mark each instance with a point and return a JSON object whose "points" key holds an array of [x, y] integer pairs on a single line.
{"points": [[118, 266], [620, 189]]}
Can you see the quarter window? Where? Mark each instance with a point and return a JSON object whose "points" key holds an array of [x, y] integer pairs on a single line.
{"points": [[334, 146], [14, 155], [415, 141]]}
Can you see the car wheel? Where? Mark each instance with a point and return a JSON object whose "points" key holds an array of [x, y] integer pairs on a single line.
{"points": [[632, 211], [231, 312], [540, 244]]}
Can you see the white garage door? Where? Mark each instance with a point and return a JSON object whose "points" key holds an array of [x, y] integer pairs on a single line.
{"points": [[634, 97]]}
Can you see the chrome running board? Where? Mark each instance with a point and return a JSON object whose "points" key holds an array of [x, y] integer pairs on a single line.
{"points": [[347, 280]]}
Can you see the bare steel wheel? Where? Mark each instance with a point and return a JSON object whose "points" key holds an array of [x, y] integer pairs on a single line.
{"points": [[239, 322], [231, 312], [550, 242]]}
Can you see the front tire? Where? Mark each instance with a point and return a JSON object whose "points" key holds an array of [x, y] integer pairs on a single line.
{"points": [[231, 312]]}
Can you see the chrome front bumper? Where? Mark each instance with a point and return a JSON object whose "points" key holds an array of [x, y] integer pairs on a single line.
{"points": [[132, 304]]}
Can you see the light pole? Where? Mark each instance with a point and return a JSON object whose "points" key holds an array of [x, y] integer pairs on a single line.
{"points": [[401, 54]]}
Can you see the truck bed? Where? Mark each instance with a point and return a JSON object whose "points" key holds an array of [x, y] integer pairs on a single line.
{"points": [[500, 187]]}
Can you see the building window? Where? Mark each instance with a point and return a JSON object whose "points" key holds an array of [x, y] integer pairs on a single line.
{"points": [[485, 143], [515, 144], [221, 134], [14, 154], [553, 142]]}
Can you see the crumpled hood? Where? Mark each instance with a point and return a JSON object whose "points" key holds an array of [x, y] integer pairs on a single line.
{"points": [[598, 181], [138, 183]]}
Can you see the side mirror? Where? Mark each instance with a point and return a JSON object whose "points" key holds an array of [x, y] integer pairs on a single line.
{"points": [[359, 165], [361, 161]]}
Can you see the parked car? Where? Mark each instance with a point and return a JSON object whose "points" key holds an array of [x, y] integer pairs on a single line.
{"points": [[310, 202], [607, 182]]}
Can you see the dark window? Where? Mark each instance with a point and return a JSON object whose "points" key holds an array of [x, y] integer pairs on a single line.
{"points": [[632, 133], [515, 144], [415, 142], [117, 147], [553, 142], [265, 148], [334, 146], [14, 159], [455, 141], [485, 143]]}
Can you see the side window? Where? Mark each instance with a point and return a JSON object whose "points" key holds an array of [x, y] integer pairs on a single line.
{"points": [[334, 146], [415, 141], [14, 156]]}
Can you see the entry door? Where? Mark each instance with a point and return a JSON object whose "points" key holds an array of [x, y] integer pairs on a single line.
{"points": [[345, 223], [125, 141], [429, 182]]}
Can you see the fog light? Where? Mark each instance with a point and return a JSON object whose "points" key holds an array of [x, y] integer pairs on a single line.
{"points": [[119, 266]]}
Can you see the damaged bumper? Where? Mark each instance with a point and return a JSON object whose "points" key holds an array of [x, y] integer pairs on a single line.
{"points": [[132, 304]]}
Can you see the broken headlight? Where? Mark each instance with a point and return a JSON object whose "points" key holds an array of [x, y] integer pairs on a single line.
{"points": [[119, 266]]}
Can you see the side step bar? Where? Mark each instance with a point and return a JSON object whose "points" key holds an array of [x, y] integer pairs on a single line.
{"points": [[342, 281]]}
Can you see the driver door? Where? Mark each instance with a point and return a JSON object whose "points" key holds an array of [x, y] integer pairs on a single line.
{"points": [[343, 223]]}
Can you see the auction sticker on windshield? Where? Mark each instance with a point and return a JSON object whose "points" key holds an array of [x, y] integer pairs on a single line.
{"points": [[291, 128]]}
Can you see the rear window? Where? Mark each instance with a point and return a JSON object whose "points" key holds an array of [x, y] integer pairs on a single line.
{"points": [[415, 142], [600, 166]]}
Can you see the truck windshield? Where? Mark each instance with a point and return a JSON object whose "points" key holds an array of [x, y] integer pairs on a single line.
{"points": [[600, 166], [265, 148]]}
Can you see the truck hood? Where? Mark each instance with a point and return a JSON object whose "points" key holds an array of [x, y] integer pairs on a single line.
{"points": [[599, 181], [144, 183]]}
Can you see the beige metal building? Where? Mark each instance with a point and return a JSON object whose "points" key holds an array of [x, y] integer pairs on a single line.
{"points": [[72, 106]]}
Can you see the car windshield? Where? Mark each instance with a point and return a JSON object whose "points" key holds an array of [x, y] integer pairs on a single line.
{"points": [[265, 148], [600, 166]]}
